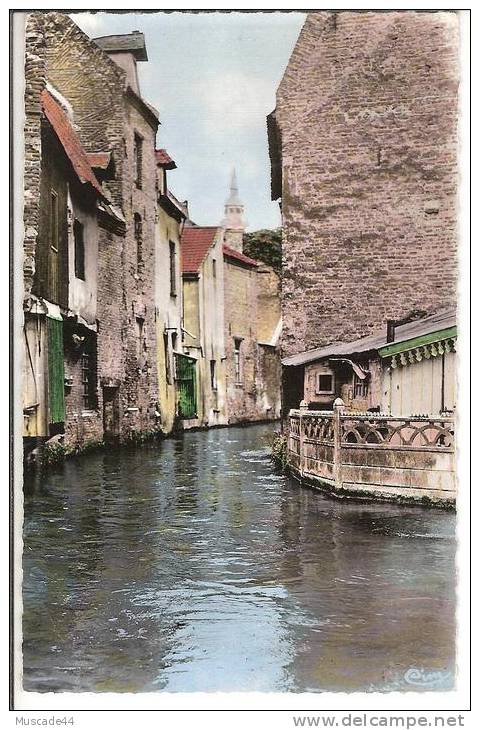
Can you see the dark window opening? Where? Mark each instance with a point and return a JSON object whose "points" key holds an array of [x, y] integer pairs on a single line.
{"points": [[237, 361], [138, 231], [137, 156], [79, 245], [324, 383], [173, 270], [213, 374]]}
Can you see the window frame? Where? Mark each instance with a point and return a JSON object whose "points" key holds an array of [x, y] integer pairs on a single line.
{"points": [[138, 159], [53, 260], [237, 345], [138, 235], [213, 375], [79, 250], [360, 387], [322, 391], [173, 268]]}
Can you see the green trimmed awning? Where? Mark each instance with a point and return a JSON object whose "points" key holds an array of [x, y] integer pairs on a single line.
{"points": [[395, 348]]}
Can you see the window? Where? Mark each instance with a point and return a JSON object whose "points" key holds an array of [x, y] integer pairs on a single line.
{"points": [[89, 376], [324, 383], [79, 245], [137, 157], [214, 268], [213, 375], [138, 232], [173, 270], [360, 387], [236, 356], [53, 263]]}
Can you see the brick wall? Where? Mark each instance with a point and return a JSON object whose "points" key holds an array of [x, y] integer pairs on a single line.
{"points": [[35, 80], [367, 114]]}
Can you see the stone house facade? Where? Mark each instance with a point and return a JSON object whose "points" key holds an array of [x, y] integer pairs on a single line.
{"points": [[203, 324], [168, 290], [113, 299], [363, 147]]}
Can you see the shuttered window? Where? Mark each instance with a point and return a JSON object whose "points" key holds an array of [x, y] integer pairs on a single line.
{"points": [[79, 244], [173, 270], [56, 375], [53, 262]]}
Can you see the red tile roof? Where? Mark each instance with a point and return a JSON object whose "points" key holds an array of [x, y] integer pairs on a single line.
{"points": [[194, 247], [163, 158], [70, 141], [233, 254], [99, 159]]}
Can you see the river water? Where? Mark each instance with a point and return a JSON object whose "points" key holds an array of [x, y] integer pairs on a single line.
{"points": [[190, 565]]}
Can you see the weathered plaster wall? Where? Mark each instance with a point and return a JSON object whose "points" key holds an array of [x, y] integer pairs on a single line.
{"points": [[82, 293], [367, 111], [241, 324], [168, 313]]}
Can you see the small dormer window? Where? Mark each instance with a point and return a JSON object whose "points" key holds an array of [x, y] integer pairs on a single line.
{"points": [[137, 159]]}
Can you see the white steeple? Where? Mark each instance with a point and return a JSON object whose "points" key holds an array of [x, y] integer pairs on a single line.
{"points": [[234, 208]]}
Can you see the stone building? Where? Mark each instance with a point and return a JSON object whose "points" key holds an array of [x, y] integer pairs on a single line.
{"points": [[252, 324], [60, 305], [168, 290], [363, 147], [201, 377], [114, 302], [409, 368]]}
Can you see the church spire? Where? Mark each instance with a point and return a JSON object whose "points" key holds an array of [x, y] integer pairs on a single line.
{"points": [[233, 221]]}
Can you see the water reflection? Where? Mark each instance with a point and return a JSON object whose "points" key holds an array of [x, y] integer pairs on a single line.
{"points": [[189, 566]]}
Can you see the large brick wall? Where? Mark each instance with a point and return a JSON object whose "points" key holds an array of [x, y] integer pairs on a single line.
{"points": [[367, 115]]}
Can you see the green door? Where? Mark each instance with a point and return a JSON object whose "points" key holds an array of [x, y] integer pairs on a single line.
{"points": [[185, 379], [56, 375]]}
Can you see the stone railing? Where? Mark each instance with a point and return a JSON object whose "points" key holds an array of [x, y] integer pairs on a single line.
{"points": [[374, 455]]}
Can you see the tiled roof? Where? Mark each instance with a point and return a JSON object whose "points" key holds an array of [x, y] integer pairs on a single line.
{"points": [[70, 141], [410, 330], [100, 160], [163, 158], [233, 254], [194, 246]]}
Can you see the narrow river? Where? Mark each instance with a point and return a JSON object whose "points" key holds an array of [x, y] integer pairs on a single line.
{"points": [[190, 566]]}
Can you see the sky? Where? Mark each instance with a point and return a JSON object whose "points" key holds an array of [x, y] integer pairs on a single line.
{"points": [[213, 78]]}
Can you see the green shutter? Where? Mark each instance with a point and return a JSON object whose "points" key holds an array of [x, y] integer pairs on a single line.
{"points": [[185, 378], [56, 375]]}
